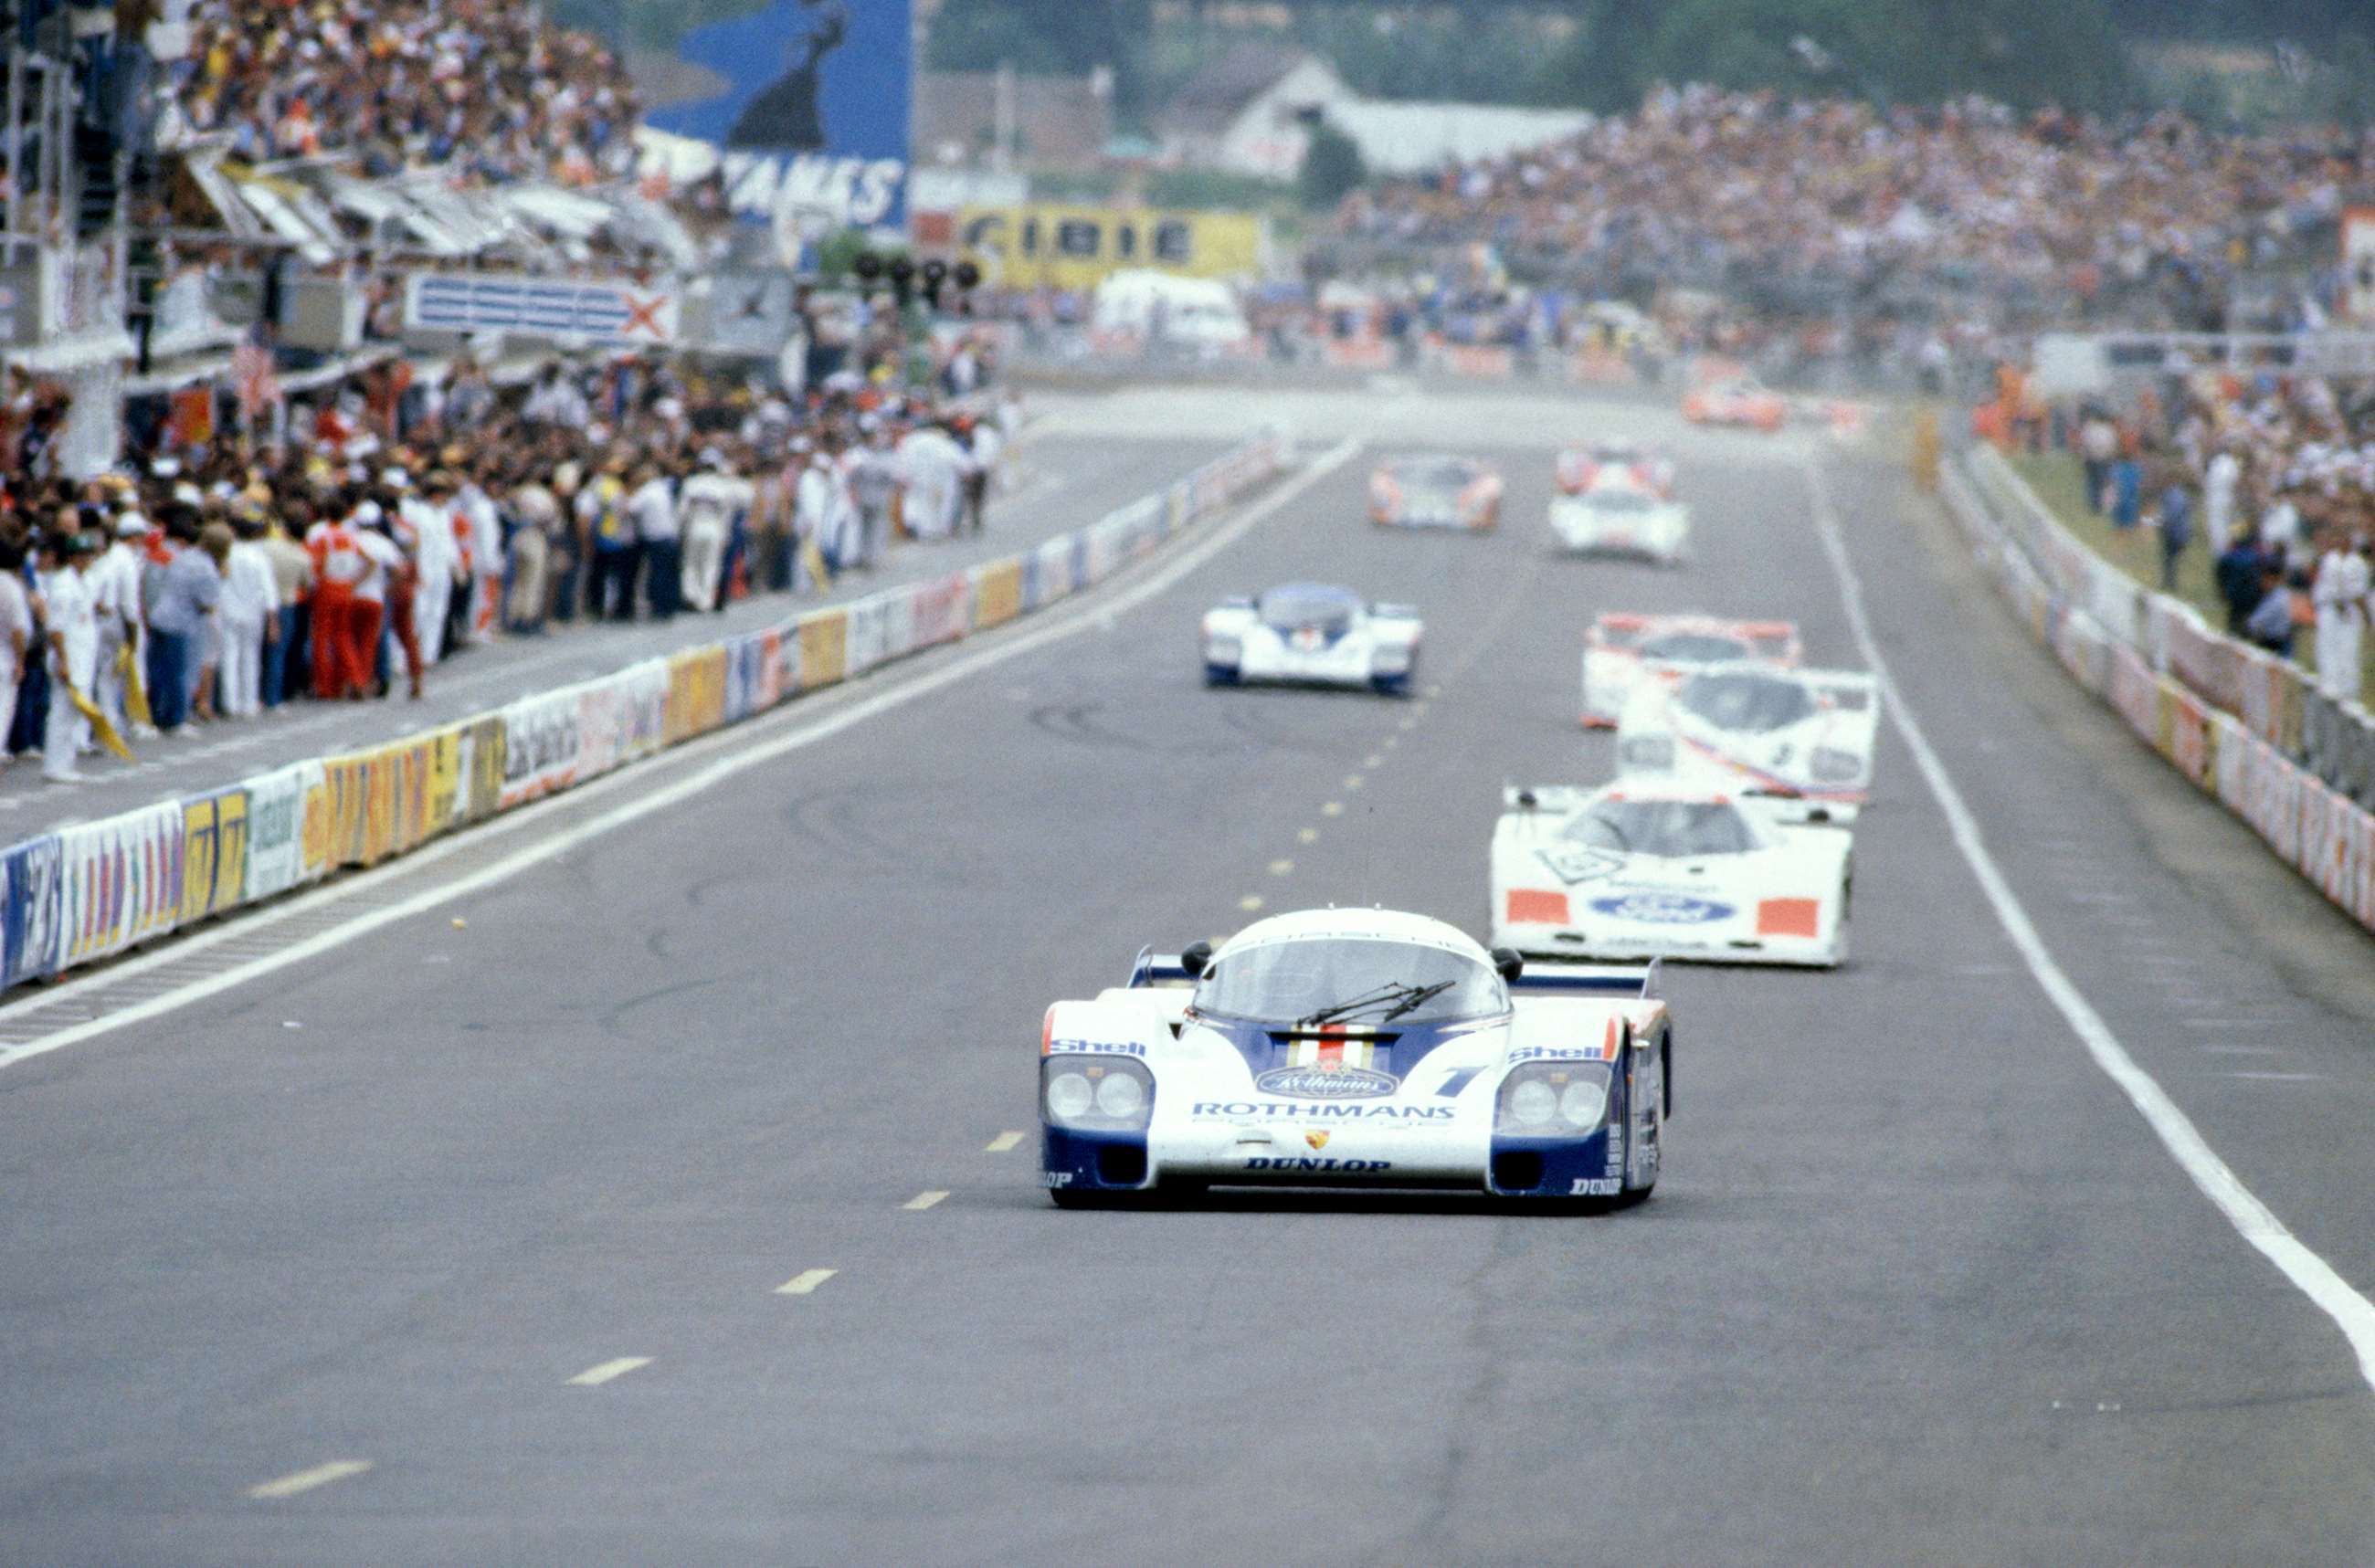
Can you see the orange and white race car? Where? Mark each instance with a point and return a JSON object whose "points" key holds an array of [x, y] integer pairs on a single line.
{"points": [[1615, 458], [1621, 651], [1435, 492], [1736, 400]]}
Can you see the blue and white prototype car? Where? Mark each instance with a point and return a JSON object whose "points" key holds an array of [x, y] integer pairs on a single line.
{"points": [[1357, 1048], [1312, 634]]}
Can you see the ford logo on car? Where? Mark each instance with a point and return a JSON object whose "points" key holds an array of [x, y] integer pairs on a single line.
{"points": [[1664, 909], [1326, 1083]]}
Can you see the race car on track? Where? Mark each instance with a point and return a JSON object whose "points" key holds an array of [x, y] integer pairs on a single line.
{"points": [[1356, 1048], [1619, 517], [1435, 492], [1621, 651], [1311, 634], [1633, 872], [1801, 738], [1736, 400], [1607, 457]]}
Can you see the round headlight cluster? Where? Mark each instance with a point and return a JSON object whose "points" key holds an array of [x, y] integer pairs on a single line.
{"points": [[1069, 1095], [1583, 1102], [1120, 1095], [1542, 1104], [1532, 1103]]}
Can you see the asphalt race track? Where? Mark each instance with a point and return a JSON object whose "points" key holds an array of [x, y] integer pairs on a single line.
{"points": [[525, 1214]]}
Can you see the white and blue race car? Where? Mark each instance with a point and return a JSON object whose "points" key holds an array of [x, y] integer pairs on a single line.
{"points": [[1357, 1048], [1311, 634]]}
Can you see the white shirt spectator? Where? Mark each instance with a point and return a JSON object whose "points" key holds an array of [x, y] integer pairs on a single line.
{"points": [[653, 506]]}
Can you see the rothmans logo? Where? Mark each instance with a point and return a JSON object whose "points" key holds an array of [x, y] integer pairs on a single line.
{"points": [[1326, 1081]]}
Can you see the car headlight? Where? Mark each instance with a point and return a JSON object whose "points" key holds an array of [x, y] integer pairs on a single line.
{"points": [[1831, 765], [1646, 753], [1096, 1093], [1553, 1100]]}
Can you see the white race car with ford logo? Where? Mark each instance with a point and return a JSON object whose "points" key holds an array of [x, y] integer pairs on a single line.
{"points": [[1623, 650], [1620, 516], [1800, 738], [1634, 872], [1312, 634], [1362, 1048]]}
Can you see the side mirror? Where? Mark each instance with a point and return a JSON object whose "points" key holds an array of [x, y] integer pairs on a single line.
{"points": [[1526, 801], [1509, 962], [1194, 957], [1819, 814]]}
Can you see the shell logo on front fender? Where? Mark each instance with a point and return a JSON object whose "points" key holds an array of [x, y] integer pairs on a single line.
{"points": [[1326, 1083], [1664, 909]]}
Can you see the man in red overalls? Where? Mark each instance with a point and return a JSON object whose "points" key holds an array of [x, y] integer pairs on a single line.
{"points": [[339, 565]]}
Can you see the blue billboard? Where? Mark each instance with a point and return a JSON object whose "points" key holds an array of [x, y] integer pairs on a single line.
{"points": [[814, 107]]}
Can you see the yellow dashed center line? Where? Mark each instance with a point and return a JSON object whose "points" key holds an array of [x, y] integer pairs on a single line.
{"points": [[1333, 808], [306, 1480], [805, 1282], [1003, 1142], [1391, 741], [1281, 867], [1353, 781], [1307, 836], [1250, 903], [595, 1376], [1374, 759], [1407, 724], [924, 1200]]}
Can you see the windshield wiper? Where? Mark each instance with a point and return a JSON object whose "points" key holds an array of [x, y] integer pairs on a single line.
{"points": [[1403, 994]]}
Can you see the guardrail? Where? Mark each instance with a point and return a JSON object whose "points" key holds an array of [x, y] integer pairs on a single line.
{"points": [[86, 893], [2245, 726]]}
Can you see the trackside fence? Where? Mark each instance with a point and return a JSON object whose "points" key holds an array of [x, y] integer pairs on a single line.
{"points": [[2243, 726], [86, 893]]}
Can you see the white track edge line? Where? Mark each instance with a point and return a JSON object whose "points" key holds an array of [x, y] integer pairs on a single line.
{"points": [[2251, 1219], [1093, 611]]}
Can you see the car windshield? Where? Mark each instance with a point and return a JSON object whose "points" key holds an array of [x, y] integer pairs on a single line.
{"points": [[1435, 473], [1676, 828], [1288, 608], [1614, 452], [1747, 704], [1348, 980], [1620, 500], [1694, 648]]}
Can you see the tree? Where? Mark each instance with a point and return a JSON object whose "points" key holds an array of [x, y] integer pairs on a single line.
{"points": [[1331, 167]]}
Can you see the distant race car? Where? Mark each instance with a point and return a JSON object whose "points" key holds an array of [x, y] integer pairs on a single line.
{"points": [[1357, 1048], [1435, 492], [1800, 737], [1618, 516], [1312, 634], [1737, 400], [1621, 651], [1621, 458], [1628, 872]]}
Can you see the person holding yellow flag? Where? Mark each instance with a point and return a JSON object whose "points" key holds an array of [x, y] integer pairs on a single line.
{"points": [[70, 619]]}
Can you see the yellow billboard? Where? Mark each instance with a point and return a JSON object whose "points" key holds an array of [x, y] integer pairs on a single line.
{"points": [[1050, 244]]}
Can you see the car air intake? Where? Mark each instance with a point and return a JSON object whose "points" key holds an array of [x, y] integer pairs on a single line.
{"points": [[1516, 1171]]}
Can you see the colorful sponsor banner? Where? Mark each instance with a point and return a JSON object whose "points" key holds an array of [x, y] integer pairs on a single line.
{"points": [[1058, 245], [943, 608], [696, 693], [996, 592], [621, 717], [120, 882], [214, 855], [824, 647], [609, 312], [810, 111], [287, 831], [864, 639], [32, 876], [541, 742]]}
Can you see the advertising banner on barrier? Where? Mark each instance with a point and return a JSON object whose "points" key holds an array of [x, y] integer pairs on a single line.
{"points": [[282, 806], [621, 717], [824, 647], [864, 638], [2190, 734], [30, 899], [541, 741], [484, 759], [120, 882], [899, 636], [2136, 693], [214, 853], [996, 592], [942, 609], [696, 692]]}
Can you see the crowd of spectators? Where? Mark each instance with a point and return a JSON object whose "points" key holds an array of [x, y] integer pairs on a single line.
{"points": [[2273, 475], [485, 89], [399, 520], [1720, 189]]}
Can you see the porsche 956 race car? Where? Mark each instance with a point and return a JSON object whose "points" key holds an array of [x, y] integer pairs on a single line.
{"points": [[1627, 872], [1312, 634], [1736, 400], [1616, 516], [1621, 651], [1435, 492], [1357, 1048], [1801, 738], [1615, 457]]}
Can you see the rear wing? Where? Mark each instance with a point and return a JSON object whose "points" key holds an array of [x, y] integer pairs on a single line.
{"points": [[1628, 979], [1152, 967], [1774, 641]]}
